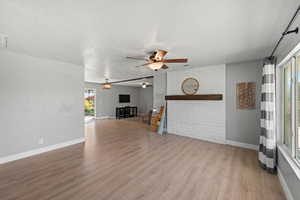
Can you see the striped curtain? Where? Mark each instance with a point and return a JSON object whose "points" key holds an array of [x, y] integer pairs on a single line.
{"points": [[267, 139]]}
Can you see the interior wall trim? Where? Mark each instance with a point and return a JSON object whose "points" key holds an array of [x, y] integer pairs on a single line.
{"points": [[106, 117], [208, 139], [284, 185], [289, 55], [40, 150], [243, 145], [226, 142], [295, 167]]}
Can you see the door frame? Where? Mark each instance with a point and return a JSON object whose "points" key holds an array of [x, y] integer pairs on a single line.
{"points": [[95, 104]]}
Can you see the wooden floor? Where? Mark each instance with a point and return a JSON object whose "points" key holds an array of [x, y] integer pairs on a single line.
{"points": [[124, 160]]}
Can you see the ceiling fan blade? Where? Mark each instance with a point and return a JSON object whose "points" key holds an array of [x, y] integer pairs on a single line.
{"points": [[136, 58], [164, 67], [179, 60]]}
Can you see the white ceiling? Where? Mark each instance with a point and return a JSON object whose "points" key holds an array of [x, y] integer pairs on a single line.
{"points": [[99, 34]]}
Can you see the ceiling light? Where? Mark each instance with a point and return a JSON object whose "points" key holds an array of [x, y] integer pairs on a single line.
{"points": [[144, 85], [106, 85]]}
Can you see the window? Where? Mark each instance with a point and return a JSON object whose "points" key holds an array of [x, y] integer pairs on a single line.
{"points": [[287, 110], [291, 106], [298, 108]]}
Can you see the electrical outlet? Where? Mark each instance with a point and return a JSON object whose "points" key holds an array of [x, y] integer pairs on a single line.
{"points": [[41, 141]]}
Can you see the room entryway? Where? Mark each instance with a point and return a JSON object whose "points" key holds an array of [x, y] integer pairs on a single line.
{"points": [[89, 104]]}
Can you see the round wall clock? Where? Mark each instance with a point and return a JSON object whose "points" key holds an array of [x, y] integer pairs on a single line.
{"points": [[190, 86]]}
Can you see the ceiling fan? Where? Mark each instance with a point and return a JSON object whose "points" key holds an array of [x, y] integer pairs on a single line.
{"points": [[156, 60]]}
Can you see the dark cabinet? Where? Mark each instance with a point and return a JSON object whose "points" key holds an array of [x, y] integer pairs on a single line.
{"points": [[126, 112]]}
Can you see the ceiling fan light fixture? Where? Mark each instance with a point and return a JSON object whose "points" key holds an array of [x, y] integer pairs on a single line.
{"points": [[156, 60], [156, 65], [106, 85]]}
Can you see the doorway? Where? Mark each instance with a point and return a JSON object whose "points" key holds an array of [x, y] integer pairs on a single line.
{"points": [[89, 104]]}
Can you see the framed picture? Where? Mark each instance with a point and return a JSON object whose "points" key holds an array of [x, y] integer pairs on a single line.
{"points": [[246, 95]]}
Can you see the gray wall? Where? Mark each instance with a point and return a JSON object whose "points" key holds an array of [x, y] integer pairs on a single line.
{"points": [[40, 98], [146, 99], [242, 125], [290, 177], [108, 100]]}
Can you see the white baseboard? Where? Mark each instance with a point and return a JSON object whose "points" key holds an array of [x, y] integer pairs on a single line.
{"points": [[106, 117], [39, 151], [243, 145], [285, 187], [89, 120], [213, 140], [221, 141]]}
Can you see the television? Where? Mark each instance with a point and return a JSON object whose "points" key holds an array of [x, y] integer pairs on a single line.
{"points": [[124, 98]]}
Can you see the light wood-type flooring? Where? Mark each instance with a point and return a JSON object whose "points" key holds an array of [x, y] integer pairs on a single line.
{"points": [[124, 160]]}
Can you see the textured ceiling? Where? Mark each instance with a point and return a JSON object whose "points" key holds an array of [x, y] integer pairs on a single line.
{"points": [[99, 34]]}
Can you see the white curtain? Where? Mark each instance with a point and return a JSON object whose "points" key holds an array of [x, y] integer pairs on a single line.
{"points": [[267, 139]]}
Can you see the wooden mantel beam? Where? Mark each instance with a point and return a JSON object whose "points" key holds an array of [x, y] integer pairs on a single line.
{"points": [[208, 97]]}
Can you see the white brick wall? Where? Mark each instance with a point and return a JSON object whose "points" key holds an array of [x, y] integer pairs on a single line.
{"points": [[198, 119]]}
